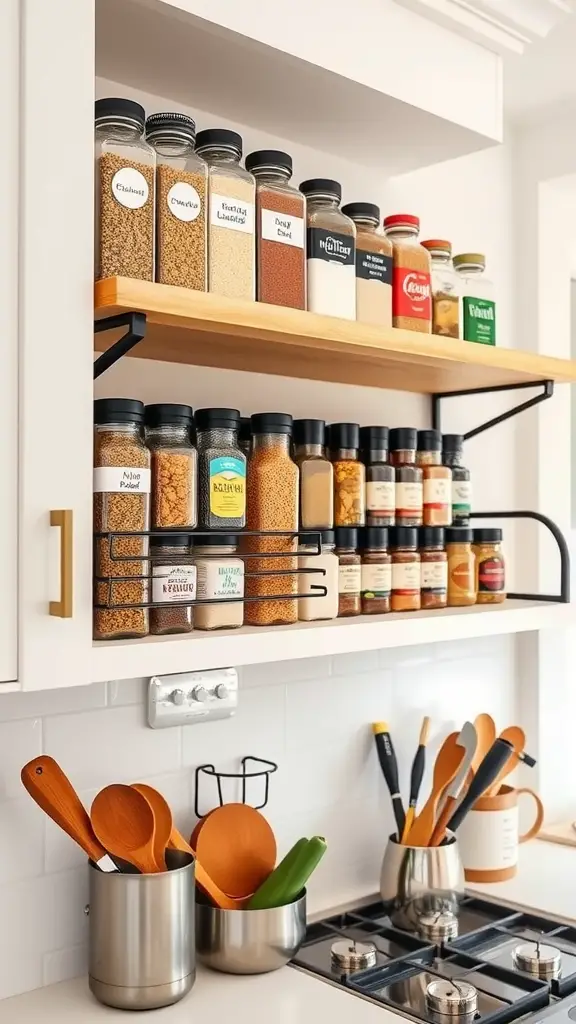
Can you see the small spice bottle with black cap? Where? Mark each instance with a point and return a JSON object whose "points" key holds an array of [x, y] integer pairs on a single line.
{"points": [[349, 475], [280, 230], [408, 487], [437, 480], [453, 457], [373, 265], [349, 571], [380, 477], [490, 566], [173, 583], [461, 567], [331, 251], [221, 470], [406, 572], [376, 570], [316, 474], [434, 567], [245, 435], [174, 464]]}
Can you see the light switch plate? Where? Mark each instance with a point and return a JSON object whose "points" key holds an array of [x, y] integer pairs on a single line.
{"points": [[192, 697]]}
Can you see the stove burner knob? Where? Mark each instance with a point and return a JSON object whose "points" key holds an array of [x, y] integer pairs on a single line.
{"points": [[353, 956], [438, 926], [535, 958], [452, 998]]}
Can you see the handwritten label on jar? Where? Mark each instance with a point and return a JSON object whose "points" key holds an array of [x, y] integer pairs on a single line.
{"points": [[381, 496], [183, 201], [376, 580], [411, 295], [227, 488], [121, 480], [461, 498], [408, 498], [226, 212], [220, 578], [406, 577], [173, 583], [437, 493], [279, 227], [434, 577], [372, 266], [349, 579], [491, 575], [130, 188]]}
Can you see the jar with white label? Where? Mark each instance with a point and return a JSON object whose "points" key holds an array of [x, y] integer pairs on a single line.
{"points": [[406, 574], [380, 477], [231, 217], [434, 567], [280, 221], [221, 470], [181, 195], [173, 583], [125, 190], [408, 487], [437, 480], [376, 571], [312, 607], [331, 250], [219, 579]]}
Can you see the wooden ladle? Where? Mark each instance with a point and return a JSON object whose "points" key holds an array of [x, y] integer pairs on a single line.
{"points": [[237, 848], [124, 823], [162, 821], [446, 765]]}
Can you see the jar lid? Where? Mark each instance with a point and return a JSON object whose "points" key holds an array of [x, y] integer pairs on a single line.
{"points": [[474, 259], [438, 245], [326, 537], [429, 441], [167, 413], [206, 419], [173, 540], [309, 432], [118, 410], [403, 439], [229, 540], [245, 430], [344, 435], [321, 187], [404, 537], [374, 438], [431, 537], [268, 159], [487, 535], [459, 535], [362, 211], [114, 108], [346, 536], [374, 537], [271, 423], [402, 220], [219, 138], [172, 126], [452, 442]]}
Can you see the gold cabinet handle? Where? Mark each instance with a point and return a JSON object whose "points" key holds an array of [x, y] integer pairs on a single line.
{"points": [[63, 518]]}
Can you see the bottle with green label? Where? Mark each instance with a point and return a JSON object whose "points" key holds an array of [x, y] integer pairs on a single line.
{"points": [[478, 305]]}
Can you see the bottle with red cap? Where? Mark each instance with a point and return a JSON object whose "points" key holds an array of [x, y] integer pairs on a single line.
{"points": [[411, 290]]}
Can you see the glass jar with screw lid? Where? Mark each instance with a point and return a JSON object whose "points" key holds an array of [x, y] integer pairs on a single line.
{"points": [[220, 580], [222, 470], [173, 583], [478, 305], [444, 284]]}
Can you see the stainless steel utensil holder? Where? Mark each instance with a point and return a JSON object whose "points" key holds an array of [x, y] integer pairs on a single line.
{"points": [[420, 880], [141, 944], [249, 941]]}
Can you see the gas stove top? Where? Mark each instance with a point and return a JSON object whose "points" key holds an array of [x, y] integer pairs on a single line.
{"points": [[491, 965]]}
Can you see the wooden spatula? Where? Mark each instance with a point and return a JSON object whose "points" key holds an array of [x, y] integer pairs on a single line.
{"points": [[486, 733], [124, 823], [446, 765], [467, 738]]}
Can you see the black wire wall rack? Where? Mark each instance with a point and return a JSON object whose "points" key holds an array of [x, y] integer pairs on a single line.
{"points": [[564, 596], [243, 776]]}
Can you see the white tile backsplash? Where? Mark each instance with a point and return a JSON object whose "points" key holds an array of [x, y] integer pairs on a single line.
{"points": [[312, 716]]}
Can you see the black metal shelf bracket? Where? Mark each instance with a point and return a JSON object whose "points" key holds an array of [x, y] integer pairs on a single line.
{"points": [[136, 324], [547, 392], [564, 596]]}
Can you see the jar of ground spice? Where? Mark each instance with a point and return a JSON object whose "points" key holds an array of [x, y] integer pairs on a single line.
{"points": [[444, 284], [434, 567], [411, 295], [349, 475], [272, 505], [349, 571], [490, 567], [406, 574], [453, 457], [125, 188], [376, 571], [174, 465], [313, 607], [408, 487], [280, 220], [231, 224], [221, 470], [461, 568], [331, 251], [173, 582], [121, 503], [380, 477], [181, 189], [437, 480], [316, 474], [373, 265], [220, 581]]}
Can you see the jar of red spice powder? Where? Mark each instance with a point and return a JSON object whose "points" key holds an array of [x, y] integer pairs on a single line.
{"points": [[280, 212]]}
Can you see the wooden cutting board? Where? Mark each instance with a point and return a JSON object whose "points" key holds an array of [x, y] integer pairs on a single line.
{"points": [[563, 834]]}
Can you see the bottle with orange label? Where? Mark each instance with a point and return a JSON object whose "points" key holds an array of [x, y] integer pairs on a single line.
{"points": [[461, 567], [408, 489], [411, 286], [437, 480], [490, 566]]}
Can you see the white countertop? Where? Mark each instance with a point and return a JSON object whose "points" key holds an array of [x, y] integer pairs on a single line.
{"points": [[545, 882]]}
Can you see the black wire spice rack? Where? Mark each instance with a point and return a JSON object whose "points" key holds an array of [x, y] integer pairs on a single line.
{"points": [[208, 770]]}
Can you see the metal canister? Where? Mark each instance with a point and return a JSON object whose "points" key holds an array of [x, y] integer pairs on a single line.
{"points": [[141, 945]]}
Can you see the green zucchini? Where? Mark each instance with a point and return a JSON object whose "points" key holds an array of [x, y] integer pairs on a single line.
{"points": [[270, 892], [302, 868], [287, 881]]}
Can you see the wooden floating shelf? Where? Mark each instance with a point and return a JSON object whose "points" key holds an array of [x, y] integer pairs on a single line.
{"points": [[207, 330]]}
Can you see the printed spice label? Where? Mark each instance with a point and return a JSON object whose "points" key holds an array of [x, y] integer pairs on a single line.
{"points": [[479, 320], [411, 295]]}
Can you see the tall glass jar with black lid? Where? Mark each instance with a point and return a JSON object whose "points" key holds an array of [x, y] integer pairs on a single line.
{"points": [[280, 235], [409, 476], [331, 250], [453, 456], [173, 583], [181, 193], [349, 571], [349, 475], [380, 477], [373, 265], [316, 474], [221, 470], [124, 190], [174, 465]]}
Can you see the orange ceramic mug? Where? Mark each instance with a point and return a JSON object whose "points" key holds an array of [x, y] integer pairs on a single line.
{"points": [[488, 837]]}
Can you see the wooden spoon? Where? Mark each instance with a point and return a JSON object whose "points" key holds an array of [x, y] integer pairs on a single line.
{"points": [[486, 732], [517, 737], [162, 821], [446, 765], [198, 828], [123, 821], [237, 848]]}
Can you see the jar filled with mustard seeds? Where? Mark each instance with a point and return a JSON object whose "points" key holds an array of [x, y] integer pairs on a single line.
{"points": [[174, 465], [349, 475], [221, 470], [490, 566]]}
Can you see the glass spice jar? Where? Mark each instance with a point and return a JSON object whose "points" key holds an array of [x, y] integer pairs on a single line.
{"points": [[349, 571], [330, 251], [406, 571], [478, 305], [408, 487], [125, 186], [316, 474], [380, 477], [453, 457], [220, 580], [174, 465], [221, 470], [373, 265], [280, 236], [272, 505], [437, 480], [349, 475], [411, 297], [173, 581], [245, 436], [434, 567], [461, 568], [312, 608], [181, 193], [444, 284], [121, 503], [490, 566], [376, 571]]}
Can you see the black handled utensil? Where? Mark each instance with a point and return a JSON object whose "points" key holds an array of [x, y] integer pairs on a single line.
{"points": [[416, 775], [389, 766], [487, 771]]}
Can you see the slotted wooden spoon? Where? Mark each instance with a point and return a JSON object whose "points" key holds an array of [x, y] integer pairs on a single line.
{"points": [[446, 765], [124, 823], [237, 848]]}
